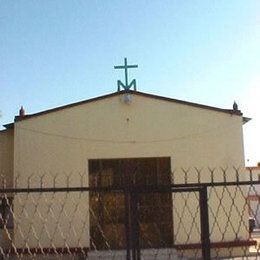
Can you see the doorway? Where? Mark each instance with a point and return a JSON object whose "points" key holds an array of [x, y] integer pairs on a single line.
{"points": [[107, 210]]}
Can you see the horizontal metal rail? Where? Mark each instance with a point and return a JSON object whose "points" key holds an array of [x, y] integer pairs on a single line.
{"points": [[183, 187], [137, 189]]}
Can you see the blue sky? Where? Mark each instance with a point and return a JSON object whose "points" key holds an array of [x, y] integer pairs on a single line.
{"points": [[58, 52]]}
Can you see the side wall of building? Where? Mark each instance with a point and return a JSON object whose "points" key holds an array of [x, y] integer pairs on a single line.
{"points": [[6, 174], [6, 157]]}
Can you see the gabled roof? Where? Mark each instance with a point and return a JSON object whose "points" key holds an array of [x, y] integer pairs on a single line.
{"points": [[229, 111]]}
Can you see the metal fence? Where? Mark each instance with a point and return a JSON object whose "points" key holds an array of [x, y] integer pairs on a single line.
{"points": [[189, 218]]}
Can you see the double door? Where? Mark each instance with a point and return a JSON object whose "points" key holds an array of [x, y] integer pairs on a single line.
{"points": [[108, 209]]}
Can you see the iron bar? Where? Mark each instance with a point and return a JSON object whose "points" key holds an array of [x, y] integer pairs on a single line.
{"points": [[135, 226], [204, 222], [127, 224], [140, 188]]}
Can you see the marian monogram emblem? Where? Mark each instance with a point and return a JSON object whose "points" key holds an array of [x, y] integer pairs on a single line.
{"points": [[126, 86]]}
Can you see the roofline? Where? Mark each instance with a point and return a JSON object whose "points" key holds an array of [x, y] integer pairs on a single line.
{"points": [[9, 126], [228, 111]]}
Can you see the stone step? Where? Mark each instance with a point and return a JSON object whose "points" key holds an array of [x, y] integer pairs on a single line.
{"points": [[146, 254]]}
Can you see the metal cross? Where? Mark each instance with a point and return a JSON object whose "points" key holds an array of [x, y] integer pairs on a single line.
{"points": [[126, 86]]}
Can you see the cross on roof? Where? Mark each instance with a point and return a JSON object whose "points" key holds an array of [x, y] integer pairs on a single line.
{"points": [[126, 86]]}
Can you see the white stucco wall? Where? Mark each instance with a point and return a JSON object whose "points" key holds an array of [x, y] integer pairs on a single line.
{"points": [[108, 128]]}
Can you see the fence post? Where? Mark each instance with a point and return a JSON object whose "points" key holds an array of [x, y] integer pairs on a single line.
{"points": [[204, 223], [127, 224], [136, 228], [132, 224]]}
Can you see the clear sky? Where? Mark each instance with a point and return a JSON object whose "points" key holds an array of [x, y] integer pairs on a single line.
{"points": [[55, 52]]}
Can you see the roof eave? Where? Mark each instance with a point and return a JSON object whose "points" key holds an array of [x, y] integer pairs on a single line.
{"points": [[9, 126], [246, 119]]}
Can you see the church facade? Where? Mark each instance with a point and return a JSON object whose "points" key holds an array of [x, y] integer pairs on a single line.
{"points": [[116, 134]]}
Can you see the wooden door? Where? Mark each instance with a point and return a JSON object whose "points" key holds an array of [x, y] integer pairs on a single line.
{"points": [[107, 210]]}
